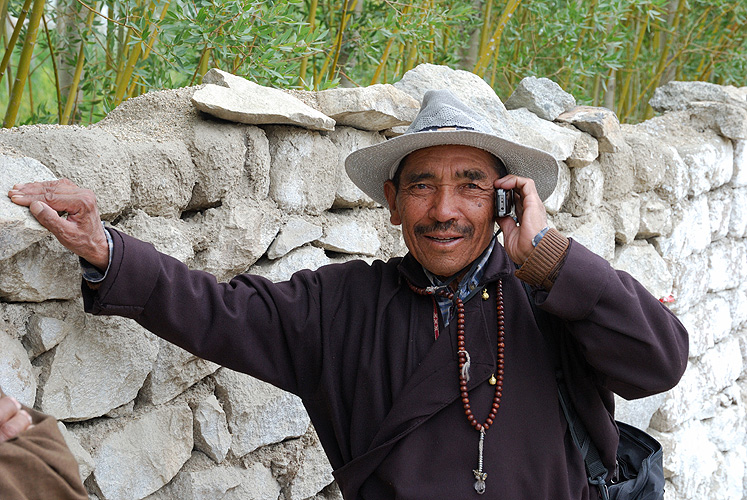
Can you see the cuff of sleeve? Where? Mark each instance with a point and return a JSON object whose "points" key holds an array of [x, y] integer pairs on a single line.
{"points": [[544, 263], [92, 276]]}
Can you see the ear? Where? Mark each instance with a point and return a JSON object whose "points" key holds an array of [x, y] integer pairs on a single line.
{"points": [[390, 191]]}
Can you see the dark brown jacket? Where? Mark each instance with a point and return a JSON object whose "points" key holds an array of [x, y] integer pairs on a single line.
{"points": [[356, 344]]}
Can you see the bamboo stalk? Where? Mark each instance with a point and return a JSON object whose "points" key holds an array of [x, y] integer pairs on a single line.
{"points": [[487, 52], [3, 16], [55, 71], [24, 63], [487, 14], [72, 95], [588, 21], [14, 38], [347, 6], [312, 26], [623, 101]]}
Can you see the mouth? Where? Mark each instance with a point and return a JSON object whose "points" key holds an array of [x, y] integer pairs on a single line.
{"points": [[443, 239]]}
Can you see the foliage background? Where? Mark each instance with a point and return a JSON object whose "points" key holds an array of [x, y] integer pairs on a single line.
{"points": [[72, 61]]}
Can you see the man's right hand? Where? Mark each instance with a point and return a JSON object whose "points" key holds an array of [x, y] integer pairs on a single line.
{"points": [[80, 230], [13, 419]]}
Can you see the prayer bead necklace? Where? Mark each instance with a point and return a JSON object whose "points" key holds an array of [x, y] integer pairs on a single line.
{"points": [[464, 364]]}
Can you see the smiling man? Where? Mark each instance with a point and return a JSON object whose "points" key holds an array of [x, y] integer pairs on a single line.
{"points": [[426, 377]]}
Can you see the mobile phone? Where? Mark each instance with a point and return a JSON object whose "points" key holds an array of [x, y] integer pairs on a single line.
{"points": [[504, 203]]}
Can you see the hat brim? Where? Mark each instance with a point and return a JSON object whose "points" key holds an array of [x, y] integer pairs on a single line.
{"points": [[369, 168]]}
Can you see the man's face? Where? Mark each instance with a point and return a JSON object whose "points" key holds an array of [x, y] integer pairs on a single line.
{"points": [[445, 205]]}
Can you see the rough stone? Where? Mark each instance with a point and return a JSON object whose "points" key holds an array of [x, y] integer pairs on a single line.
{"points": [[305, 257], [162, 177], [707, 324], [601, 123], [727, 120], [347, 140], [258, 413], [144, 454], [555, 201], [656, 217], [678, 96], [691, 460], [585, 150], [18, 228], [626, 216], [303, 170], [198, 480], [236, 99], [295, 233], [619, 172], [221, 153], [542, 97], [91, 158], [738, 216], [314, 474], [637, 412], [739, 179], [84, 459], [350, 233], [594, 231], [93, 370], [691, 279], [211, 434], [586, 191], [719, 212], [709, 157], [17, 377], [375, 108], [168, 235], [691, 229], [43, 271], [641, 261], [173, 372], [694, 397], [652, 158], [44, 333], [232, 237], [737, 300], [541, 134], [727, 264]]}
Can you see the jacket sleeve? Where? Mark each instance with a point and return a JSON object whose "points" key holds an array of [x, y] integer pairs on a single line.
{"points": [[38, 464], [268, 330], [629, 338]]}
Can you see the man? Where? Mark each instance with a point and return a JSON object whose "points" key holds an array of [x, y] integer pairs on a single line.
{"points": [[35, 462], [425, 376]]}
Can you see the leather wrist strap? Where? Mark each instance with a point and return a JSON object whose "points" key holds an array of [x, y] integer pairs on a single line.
{"points": [[543, 265]]}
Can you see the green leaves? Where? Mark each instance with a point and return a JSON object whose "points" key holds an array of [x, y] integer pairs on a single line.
{"points": [[611, 52]]}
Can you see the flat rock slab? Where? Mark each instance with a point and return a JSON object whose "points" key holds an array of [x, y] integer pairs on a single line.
{"points": [[375, 108], [18, 228], [236, 99]]}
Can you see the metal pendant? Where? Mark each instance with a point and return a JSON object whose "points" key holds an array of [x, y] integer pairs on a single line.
{"points": [[480, 476]]}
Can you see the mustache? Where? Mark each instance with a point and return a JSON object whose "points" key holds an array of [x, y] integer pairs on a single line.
{"points": [[422, 229]]}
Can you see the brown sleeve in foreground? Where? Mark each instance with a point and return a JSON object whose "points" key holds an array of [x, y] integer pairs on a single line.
{"points": [[38, 464]]}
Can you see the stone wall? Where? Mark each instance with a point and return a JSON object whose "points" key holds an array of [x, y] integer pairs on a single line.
{"points": [[232, 177]]}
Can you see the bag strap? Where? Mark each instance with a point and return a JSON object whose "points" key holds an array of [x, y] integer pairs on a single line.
{"points": [[595, 469]]}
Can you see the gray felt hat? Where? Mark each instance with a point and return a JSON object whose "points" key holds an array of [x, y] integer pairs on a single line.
{"points": [[444, 119]]}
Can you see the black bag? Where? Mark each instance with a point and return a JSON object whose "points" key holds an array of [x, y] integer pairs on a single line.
{"points": [[640, 468]]}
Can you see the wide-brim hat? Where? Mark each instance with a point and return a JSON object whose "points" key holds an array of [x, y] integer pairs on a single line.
{"points": [[443, 119]]}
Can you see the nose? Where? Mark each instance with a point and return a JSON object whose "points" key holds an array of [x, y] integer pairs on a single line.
{"points": [[445, 206]]}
